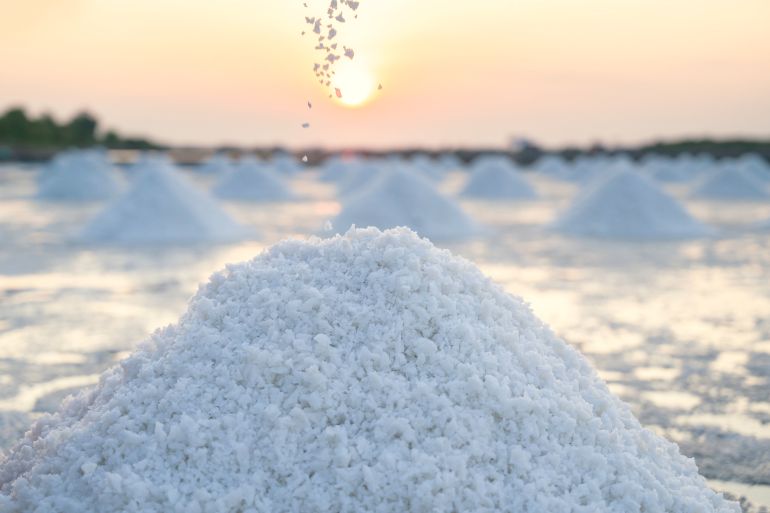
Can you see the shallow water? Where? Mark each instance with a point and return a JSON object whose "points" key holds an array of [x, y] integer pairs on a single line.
{"points": [[680, 330]]}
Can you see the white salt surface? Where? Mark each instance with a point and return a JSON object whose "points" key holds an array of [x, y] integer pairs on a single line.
{"points": [[253, 181], [370, 372], [732, 183], [398, 197], [498, 181], [79, 176], [630, 206], [162, 207]]}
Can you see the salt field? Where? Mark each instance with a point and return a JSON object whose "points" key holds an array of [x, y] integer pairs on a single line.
{"points": [[679, 329]]}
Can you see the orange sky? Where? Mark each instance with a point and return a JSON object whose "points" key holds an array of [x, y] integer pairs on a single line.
{"points": [[453, 72]]}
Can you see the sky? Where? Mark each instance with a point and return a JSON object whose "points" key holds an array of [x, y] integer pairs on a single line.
{"points": [[453, 73]]}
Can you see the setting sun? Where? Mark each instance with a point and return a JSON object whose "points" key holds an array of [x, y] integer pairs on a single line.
{"points": [[355, 82]]}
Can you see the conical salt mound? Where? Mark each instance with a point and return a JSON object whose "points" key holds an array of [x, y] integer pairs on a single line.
{"points": [[359, 177], [252, 181], [628, 205], [219, 164], [732, 184], [162, 207], [79, 176], [498, 181], [398, 197], [369, 372]]}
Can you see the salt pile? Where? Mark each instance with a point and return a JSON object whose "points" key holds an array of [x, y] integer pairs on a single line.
{"points": [[162, 207], [755, 165], [218, 164], [284, 164], [628, 205], [79, 176], [369, 372], [729, 183], [428, 167], [359, 177], [253, 181], [399, 197], [498, 180]]}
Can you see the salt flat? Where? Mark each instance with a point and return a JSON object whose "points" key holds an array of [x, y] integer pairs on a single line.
{"points": [[680, 330]]}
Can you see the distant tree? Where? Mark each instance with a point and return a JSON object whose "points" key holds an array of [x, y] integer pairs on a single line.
{"points": [[81, 130], [14, 126]]}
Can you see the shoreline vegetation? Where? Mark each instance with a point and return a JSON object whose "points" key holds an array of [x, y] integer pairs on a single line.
{"points": [[24, 137]]}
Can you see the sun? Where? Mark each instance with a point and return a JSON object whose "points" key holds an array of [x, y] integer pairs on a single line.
{"points": [[355, 82]]}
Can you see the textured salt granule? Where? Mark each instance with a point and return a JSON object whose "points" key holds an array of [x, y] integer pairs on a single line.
{"points": [[368, 372], [162, 207], [732, 183], [497, 180], [253, 181], [400, 197], [628, 205], [79, 176]]}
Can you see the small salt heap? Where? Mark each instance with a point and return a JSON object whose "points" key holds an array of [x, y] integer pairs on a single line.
{"points": [[428, 167], [732, 183], [497, 179], [284, 164], [368, 372], [755, 165], [219, 164], [628, 205], [360, 176], [162, 207], [79, 176], [253, 181], [398, 197]]}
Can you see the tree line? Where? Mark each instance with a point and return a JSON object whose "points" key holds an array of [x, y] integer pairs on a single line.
{"points": [[19, 130]]}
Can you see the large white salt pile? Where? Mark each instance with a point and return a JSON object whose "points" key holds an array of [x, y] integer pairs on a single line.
{"points": [[364, 373], [497, 180], [628, 205], [79, 176], [399, 197], [162, 207], [253, 181], [732, 183]]}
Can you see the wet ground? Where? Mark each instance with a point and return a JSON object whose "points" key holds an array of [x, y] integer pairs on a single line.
{"points": [[680, 330]]}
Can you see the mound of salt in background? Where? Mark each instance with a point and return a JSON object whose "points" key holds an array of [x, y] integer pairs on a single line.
{"points": [[498, 180], [628, 205], [162, 206], [369, 372], [253, 181], [79, 176], [400, 197], [732, 183]]}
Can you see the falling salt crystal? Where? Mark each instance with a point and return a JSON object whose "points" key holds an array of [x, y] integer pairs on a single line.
{"points": [[349, 53], [328, 226], [309, 105], [379, 87], [304, 158], [305, 125], [338, 92]]}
